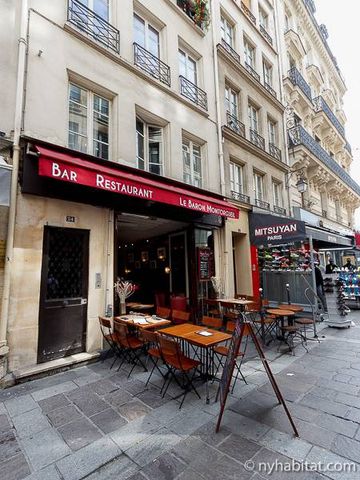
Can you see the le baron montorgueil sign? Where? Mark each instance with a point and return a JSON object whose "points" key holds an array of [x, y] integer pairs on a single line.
{"points": [[272, 230], [63, 167]]}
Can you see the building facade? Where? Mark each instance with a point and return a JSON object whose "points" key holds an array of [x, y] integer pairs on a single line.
{"points": [[318, 148], [140, 137]]}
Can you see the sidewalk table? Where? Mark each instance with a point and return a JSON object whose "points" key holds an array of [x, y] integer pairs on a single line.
{"points": [[238, 303], [150, 322], [294, 308], [141, 307], [282, 313], [189, 333]]}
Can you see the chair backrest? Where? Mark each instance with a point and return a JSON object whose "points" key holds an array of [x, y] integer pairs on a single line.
{"points": [[105, 322], [149, 337], [211, 322], [178, 316], [169, 348], [121, 330], [230, 326], [163, 312]]}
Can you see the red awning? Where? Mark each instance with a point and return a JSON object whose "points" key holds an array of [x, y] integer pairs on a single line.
{"points": [[66, 168]]}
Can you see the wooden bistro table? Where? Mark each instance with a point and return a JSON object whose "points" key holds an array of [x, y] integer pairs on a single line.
{"points": [[282, 313], [190, 334], [146, 322], [238, 303], [291, 306], [140, 307]]}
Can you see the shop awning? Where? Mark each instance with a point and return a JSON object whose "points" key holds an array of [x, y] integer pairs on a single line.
{"points": [[272, 230], [67, 168], [330, 237], [5, 180]]}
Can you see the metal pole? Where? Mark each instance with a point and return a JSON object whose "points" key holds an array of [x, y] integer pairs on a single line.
{"points": [[313, 281]]}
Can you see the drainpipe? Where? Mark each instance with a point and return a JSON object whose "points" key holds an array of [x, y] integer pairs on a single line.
{"points": [[222, 242], [280, 44], [19, 103]]}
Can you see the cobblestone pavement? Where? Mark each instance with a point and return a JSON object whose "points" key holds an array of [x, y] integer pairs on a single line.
{"points": [[92, 422]]}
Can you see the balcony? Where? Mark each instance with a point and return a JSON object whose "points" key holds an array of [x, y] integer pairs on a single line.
{"points": [[269, 89], [321, 106], [252, 72], [275, 152], [298, 80], [265, 34], [248, 13], [348, 147], [279, 210], [93, 25], [151, 64], [257, 139], [324, 214], [240, 197], [192, 92], [261, 204], [299, 136], [188, 8], [235, 125], [231, 51]]}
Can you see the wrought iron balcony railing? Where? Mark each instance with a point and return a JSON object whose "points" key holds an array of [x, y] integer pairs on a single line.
{"points": [[324, 214], [193, 92], [240, 197], [248, 13], [257, 139], [230, 50], [269, 89], [298, 80], [261, 204], [299, 136], [321, 105], [151, 64], [93, 25], [275, 151], [279, 210], [235, 124], [253, 72], [265, 34]]}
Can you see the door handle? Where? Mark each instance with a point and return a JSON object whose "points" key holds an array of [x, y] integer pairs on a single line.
{"points": [[83, 301]]}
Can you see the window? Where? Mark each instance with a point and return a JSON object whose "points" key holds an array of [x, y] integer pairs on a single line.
{"points": [[146, 36], [88, 122], [277, 194], [249, 52], [231, 101], [259, 186], [100, 7], [267, 68], [227, 32], [253, 117], [236, 177], [187, 67], [292, 63], [272, 132], [192, 162], [263, 19], [149, 147]]}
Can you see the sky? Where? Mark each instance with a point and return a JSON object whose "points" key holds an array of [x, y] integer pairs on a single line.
{"points": [[342, 21]]}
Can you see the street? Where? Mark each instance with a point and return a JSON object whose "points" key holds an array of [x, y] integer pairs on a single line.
{"points": [[91, 422]]}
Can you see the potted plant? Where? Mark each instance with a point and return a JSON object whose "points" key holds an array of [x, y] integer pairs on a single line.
{"points": [[124, 289]]}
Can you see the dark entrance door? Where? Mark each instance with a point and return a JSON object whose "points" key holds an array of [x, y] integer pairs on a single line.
{"points": [[64, 291]]}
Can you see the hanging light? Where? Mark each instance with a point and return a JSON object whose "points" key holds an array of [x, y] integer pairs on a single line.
{"points": [[301, 185]]}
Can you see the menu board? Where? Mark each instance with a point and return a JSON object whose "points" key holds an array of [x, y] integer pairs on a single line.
{"points": [[205, 263]]}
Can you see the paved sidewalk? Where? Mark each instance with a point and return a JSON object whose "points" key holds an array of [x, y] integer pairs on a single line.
{"points": [[92, 422]]}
